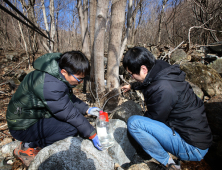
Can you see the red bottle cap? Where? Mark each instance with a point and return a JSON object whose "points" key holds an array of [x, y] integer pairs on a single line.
{"points": [[105, 114]]}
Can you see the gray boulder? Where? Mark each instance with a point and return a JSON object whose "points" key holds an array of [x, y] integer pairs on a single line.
{"points": [[7, 150], [177, 56], [78, 153], [122, 151], [127, 109], [72, 153]]}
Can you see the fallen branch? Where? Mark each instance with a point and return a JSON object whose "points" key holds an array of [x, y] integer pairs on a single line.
{"points": [[169, 53], [201, 27], [4, 83]]}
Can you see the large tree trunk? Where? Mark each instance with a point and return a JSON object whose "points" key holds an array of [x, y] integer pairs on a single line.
{"points": [[129, 24], [117, 21], [83, 18], [115, 36], [92, 6], [100, 26]]}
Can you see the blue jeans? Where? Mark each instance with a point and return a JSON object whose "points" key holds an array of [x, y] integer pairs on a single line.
{"points": [[157, 140]]}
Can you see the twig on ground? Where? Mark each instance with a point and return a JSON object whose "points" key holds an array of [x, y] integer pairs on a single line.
{"points": [[3, 127], [15, 67], [4, 83]]}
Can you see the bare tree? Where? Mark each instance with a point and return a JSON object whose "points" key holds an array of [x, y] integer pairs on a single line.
{"points": [[100, 26], [83, 18], [51, 32], [92, 5], [117, 22], [161, 20]]}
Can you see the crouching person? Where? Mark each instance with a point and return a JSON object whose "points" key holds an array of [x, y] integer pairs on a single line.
{"points": [[175, 120], [44, 109]]}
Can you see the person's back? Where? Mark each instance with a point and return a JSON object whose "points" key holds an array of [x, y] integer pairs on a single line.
{"points": [[175, 120]]}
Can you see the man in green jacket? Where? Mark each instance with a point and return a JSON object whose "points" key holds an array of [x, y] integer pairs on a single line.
{"points": [[44, 109]]}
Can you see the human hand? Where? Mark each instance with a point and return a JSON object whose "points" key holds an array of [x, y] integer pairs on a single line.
{"points": [[126, 88], [94, 111], [96, 143]]}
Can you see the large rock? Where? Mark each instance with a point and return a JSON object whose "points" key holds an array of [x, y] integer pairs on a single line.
{"points": [[77, 153], [177, 56], [197, 90], [204, 77], [127, 109], [122, 151], [217, 65], [7, 150], [141, 166], [72, 153], [214, 114]]}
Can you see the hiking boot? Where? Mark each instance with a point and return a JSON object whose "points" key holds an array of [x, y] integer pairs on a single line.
{"points": [[26, 155]]}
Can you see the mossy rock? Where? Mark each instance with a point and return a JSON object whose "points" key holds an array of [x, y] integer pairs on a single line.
{"points": [[177, 56], [217, 65], [204, 77]]}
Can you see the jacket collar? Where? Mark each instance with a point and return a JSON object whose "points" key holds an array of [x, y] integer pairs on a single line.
{"points": [[158, 67]]}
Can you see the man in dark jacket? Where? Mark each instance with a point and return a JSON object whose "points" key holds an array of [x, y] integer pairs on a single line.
{"points": [[176, 120], [44, 109]]}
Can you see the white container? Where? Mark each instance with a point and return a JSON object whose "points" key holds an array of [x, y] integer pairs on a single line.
{"points": [[104, 132]]}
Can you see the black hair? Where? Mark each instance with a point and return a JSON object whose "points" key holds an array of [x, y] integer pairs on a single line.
{"points": [[136, 57], [74, 62]]}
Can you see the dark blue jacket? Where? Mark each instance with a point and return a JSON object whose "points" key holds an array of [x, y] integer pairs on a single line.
{"points": [[171, 100]]}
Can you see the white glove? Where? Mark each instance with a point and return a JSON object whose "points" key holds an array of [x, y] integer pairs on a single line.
{"points": [[94, 111]]}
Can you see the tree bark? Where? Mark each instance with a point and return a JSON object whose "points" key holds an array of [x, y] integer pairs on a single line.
{"points": [[128, 29], [100, 26], [117, 21], [161, 20], [92, 6], [83, 18], [47, 47], [52, 24]]}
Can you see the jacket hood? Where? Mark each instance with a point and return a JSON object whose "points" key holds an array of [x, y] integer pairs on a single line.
{"points": [[49, 63], [164, 71]]}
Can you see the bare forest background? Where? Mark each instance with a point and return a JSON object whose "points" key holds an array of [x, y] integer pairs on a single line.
{"points": [[105, 27]]}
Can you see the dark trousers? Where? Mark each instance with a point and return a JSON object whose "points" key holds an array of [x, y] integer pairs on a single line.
{"points": [[45, 132]]}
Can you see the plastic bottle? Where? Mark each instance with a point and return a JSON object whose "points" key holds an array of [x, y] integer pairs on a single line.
{"points": [[104, 130]]}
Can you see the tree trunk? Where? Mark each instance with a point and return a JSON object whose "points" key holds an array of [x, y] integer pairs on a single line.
{"points": [[92, 6], [161, 20], [117, 21], [52, 24], [129, 24], [100, 26], [47, 47], [83, 18]]}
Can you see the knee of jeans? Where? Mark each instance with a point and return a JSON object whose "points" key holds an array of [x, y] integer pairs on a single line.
{"points": [[131, 121]]}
